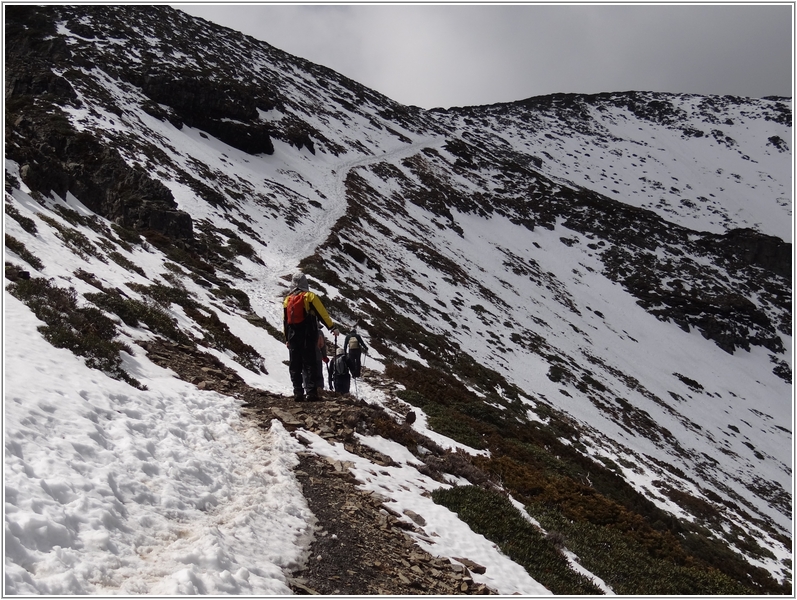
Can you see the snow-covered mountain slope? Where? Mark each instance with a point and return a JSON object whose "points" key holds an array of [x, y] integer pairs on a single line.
{"points": [[593, 292], [707, 163]]}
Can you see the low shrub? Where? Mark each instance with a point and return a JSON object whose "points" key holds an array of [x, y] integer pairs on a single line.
{"points": [[179, 253], [233, 296], [534, 465], [217, 333], [628, 567], [86, 331], [70, 215], [124, 262], [126, 237], [165, 295], [238, 247], [89, 278], [442, 418], [493, 516], [26, 223], [133, 312], [74, 239], [18, 248], [459, 464], [257, 321]]}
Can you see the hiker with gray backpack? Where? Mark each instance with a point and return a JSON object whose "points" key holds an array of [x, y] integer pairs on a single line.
{"points": [[301, 312], [354, 347], [339, 373]]}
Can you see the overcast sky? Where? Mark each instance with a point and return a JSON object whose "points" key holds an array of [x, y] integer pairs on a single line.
{"points": [[460, 55]]}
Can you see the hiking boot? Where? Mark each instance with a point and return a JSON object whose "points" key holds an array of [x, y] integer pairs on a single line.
{"points": [[299, 397], [312, 396]]}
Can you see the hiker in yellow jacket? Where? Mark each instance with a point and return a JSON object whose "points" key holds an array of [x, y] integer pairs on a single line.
{"points": [[301, 311]]}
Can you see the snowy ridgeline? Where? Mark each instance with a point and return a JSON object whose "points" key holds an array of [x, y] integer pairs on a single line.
{"points": [[708, 163]]}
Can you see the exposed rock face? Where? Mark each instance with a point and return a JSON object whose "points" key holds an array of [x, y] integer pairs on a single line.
{"points": [[754, 248], [226, 109], [54, 157], [105, 183]]}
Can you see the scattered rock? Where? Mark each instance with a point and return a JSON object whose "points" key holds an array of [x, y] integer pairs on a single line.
{"points": [[472, 566], [14, 273], [415, 517]]}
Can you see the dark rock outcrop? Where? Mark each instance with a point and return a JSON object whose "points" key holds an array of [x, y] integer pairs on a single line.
{"points": [[754, 248], [225, 109], [56, 158]]}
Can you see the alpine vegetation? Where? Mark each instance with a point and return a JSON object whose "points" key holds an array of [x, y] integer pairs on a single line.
{"points": [[572, 320]]}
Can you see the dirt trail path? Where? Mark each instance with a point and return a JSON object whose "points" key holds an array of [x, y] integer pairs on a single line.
{"points": [[360, 546], [267, 283]]}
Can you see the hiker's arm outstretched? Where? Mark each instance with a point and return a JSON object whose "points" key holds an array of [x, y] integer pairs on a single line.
{"points": [[320, 310]]}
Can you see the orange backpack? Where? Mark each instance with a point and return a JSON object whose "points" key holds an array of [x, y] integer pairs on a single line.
{"points": [[295, 308]]}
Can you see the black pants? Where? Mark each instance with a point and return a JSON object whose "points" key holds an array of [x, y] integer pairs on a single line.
{"points": [[302, 365], [319, 372], [342, 383], [354, 361]]}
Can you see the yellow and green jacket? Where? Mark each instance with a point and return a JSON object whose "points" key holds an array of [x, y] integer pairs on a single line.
{"points": [[312, 306]]}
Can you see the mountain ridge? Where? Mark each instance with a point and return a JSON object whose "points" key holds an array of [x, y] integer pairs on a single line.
{"points": [[500, 290]]}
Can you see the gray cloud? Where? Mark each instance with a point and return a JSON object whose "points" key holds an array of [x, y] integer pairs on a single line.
{"points": [[456, 55]]}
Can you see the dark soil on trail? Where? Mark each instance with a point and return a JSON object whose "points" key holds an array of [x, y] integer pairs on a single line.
{"points": [[359, 547]]}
